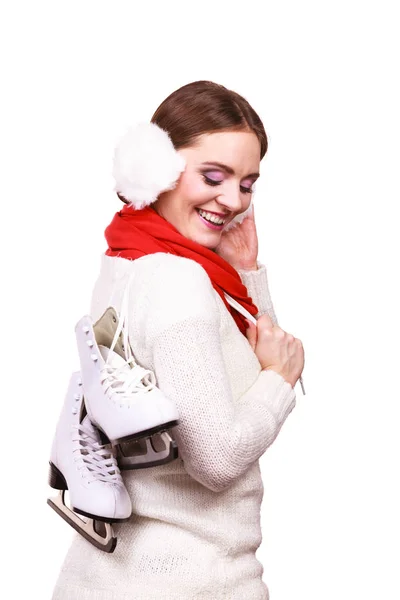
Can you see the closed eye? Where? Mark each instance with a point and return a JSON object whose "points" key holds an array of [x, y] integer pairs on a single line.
{"points": [[209, 181]]}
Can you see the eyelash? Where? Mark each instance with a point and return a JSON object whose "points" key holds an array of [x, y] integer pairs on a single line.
{"points": [[212, 182]]}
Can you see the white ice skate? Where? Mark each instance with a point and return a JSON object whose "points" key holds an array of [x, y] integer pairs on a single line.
{"points": [[89, 471], [121, 397]]}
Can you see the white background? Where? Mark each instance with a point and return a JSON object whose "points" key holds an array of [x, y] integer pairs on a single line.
{"points": [[324, 78]]}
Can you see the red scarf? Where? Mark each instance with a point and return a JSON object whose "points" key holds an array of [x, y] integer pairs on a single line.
{"points": [[135, 233]]}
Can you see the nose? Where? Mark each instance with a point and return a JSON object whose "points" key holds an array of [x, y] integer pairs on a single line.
{"points": [[231, 199]]}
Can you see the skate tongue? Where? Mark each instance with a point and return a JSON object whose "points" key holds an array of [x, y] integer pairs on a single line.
{"points": [[92, 431], [87, 424], [113, 359]]}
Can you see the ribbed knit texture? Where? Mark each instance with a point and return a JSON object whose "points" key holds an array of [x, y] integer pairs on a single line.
{"points": [[196, 523]]}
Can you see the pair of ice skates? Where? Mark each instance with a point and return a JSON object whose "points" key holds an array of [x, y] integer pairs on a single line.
{"points": [[112, 407]]}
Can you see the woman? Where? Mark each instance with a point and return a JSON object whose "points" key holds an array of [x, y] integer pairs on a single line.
{"points": [[195, 526]]}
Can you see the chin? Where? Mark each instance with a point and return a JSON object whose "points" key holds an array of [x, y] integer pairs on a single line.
{"points": [[207, 238], [207, 243]]}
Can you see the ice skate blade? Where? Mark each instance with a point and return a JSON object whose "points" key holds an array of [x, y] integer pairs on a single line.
{"points": [[145, 433], [100, 519], [151, 457], [86, 529]]}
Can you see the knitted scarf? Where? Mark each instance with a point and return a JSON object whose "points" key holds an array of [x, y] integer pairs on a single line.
{"points": [[135, 233]]}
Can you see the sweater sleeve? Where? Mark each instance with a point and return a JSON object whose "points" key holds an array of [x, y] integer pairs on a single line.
{"points": [[217, 438], [257, 286]]}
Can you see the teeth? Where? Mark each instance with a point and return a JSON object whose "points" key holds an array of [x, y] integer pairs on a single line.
{"points": [[212, 218]]}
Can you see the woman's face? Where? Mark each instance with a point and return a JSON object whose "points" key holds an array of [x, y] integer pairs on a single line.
{"points": [[210, 188]]}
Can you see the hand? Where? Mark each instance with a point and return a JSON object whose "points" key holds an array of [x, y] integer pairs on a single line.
{"points": [[239, 245], [276, 349]]}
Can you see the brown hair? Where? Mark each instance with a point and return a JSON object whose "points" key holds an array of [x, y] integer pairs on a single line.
{"points": [[202, 107]]}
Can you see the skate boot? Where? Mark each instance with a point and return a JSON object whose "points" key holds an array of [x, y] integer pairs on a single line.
{"points": [[89, 471], [121, 397]]}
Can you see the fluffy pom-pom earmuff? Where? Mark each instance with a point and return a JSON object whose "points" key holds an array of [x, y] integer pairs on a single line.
{"points": [[146, 164]]}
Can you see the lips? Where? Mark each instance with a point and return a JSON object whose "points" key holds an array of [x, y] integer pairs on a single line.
{"points": [[209, 224]]}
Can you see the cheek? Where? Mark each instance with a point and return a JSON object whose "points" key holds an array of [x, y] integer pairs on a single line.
{"points": [[194, 189]]}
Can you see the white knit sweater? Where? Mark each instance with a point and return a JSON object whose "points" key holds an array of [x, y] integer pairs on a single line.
{"points": [[196, 522]]}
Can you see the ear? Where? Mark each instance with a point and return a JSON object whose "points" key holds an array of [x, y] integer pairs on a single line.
{"points": [[146, 164]]}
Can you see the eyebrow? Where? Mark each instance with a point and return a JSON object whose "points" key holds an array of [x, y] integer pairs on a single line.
{"points": [[228, 169]]}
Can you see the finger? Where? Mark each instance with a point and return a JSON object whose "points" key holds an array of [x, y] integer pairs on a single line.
{"points": [[251, 334], [265, 321]]}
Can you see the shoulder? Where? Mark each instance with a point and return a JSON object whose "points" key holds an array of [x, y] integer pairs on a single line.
{"points": [[156, 270], [151, 267], [173, 289]]}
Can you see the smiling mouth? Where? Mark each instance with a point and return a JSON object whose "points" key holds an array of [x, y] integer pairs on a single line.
{"points": [[212, 218]]}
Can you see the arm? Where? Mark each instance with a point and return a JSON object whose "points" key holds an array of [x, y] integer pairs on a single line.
{"points": [[217, 440], [256, 282]]}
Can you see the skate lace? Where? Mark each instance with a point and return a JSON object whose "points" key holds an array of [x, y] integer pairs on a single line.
{"points": [[97, 462], [128, 378]]}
